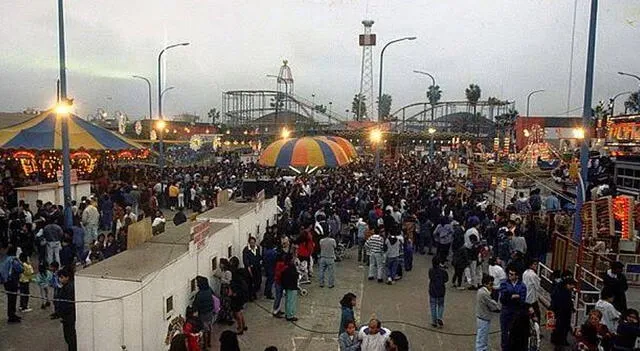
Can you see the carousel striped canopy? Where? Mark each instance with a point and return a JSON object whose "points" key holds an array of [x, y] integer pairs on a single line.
{"points": [[44, 132], [348, 148], [303, 152]]}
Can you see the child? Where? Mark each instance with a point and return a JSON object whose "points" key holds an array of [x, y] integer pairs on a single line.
{"points": [[460, 261], [348, 340], [56, 285], [534, 331], [438, 277], [43, 279], [25, 278], [192, 329]]}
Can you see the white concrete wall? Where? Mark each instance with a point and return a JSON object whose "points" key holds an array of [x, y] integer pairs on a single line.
{"points": [[138, 321]]}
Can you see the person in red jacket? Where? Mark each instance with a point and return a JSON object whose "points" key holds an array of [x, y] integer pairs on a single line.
{"points": [[192, 329], [281, 265], [306, 247]]}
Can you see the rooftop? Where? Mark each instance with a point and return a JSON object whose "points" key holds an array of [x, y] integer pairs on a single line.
{"points": [[231, 210], [142, 261]]}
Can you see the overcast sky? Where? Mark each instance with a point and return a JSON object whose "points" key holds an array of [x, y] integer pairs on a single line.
{"points": [[507, 47]]}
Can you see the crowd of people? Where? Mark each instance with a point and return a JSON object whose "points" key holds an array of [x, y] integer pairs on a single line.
{"points": [[412, 207]]}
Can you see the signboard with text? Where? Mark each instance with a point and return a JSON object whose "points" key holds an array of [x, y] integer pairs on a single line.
{"points": [[199, 233]]}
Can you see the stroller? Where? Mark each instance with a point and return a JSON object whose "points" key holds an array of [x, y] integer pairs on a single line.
{"points": [[303, 276]]}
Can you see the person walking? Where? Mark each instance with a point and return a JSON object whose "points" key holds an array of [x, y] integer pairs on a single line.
{"points": [[485, 306], [438, 277], [269, 257], [562, 307], [281, 265], [616, 281], [10, 270], [290, 285], [53, 235], [252, 261], [375, 246], [66, 309], [531, 280], [513, 294], [91, 221], [327, 260], [394, 247], [26, 277]]}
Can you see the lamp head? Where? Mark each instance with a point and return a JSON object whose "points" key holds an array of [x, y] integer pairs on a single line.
{"points": [[376, 136], [160, 125], [285, 133], [431, 131], [578, 133], [64, 107], [412, 38]]}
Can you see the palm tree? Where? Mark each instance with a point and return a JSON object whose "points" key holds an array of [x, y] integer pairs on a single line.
{"points": [[359, 106], [384, 105], [473, 93], [633, 102], [213, 115], [493, 102], [434, 94]]}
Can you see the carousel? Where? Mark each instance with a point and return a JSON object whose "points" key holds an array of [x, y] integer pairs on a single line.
{"points": [[33, 151]]}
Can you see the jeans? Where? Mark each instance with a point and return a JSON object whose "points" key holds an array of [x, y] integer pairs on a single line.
{"points": [[12, 298], [24, 295], [482, 334], [457, 275], [506, 317], [443, 251], [361, 249], [291, 303], [278, 299], [437, 308], [327, 266], [268, 284], [376, 265], [44, 294], [392, 267], [181, 200], [53, 251]]}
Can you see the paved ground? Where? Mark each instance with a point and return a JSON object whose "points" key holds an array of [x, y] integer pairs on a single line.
{"points": [[403, 306]]}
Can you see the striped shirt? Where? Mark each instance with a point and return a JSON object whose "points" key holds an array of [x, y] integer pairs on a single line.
{"points": [[375, 244]]}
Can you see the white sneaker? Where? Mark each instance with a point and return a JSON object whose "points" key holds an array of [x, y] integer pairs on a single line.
{"points": [[26, 310]]}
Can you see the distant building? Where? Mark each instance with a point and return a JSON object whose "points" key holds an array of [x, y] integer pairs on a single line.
{"points": [[558, 131]]}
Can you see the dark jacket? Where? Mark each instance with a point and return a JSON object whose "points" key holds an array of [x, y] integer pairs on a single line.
{"points": [[66, 307], [203, 302], [618, 286], [347, 315], [510, 305], [437, 279], [269, 260], [249, 259], [627, 334], [179, 218], [562, 305], [289, 279]]}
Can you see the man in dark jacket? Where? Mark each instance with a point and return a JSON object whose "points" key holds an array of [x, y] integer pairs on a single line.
{"points": [[513, 294], [269, 255], [289, 282], [438, 277], [615, 280], [9, 277], [562, 307], [203, 303], [252, 260], [66, 309]]}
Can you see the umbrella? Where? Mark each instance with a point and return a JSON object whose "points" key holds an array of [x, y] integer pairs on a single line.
{"points": [[344, 144], [44, 132], [303, 152]]}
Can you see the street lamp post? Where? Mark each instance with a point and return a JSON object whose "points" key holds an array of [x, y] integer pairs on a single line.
{"points": [[160, 116], [612, 101], [149, 85], [380, 92], [629, 75], [586, 118], [63, 111], [313, 109], [529, 98], [431, 131], [433, 83]]}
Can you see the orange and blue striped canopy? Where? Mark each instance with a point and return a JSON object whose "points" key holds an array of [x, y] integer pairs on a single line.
{"points": [[44, 132], [303, 152], [348, 148]]}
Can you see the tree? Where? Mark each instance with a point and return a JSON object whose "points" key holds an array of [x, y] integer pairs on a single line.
{"points": [[473, 93], [434, 94], [384, 106], [214, 115], [359, 107], [493, 102], [633, 102]]}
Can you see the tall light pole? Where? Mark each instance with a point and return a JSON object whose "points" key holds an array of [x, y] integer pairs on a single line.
{"points": [[165, 91], [629, 75], [286, 92], [586, 119], [433, 83], [529, 98], [149, 85], [431, 131], [380, 92], [63, 112], [160, 116], [612, 101], [313, 110], [381, 66]]}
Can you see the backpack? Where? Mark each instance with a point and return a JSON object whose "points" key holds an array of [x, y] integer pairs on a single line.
{"points": [[12, 270]]}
